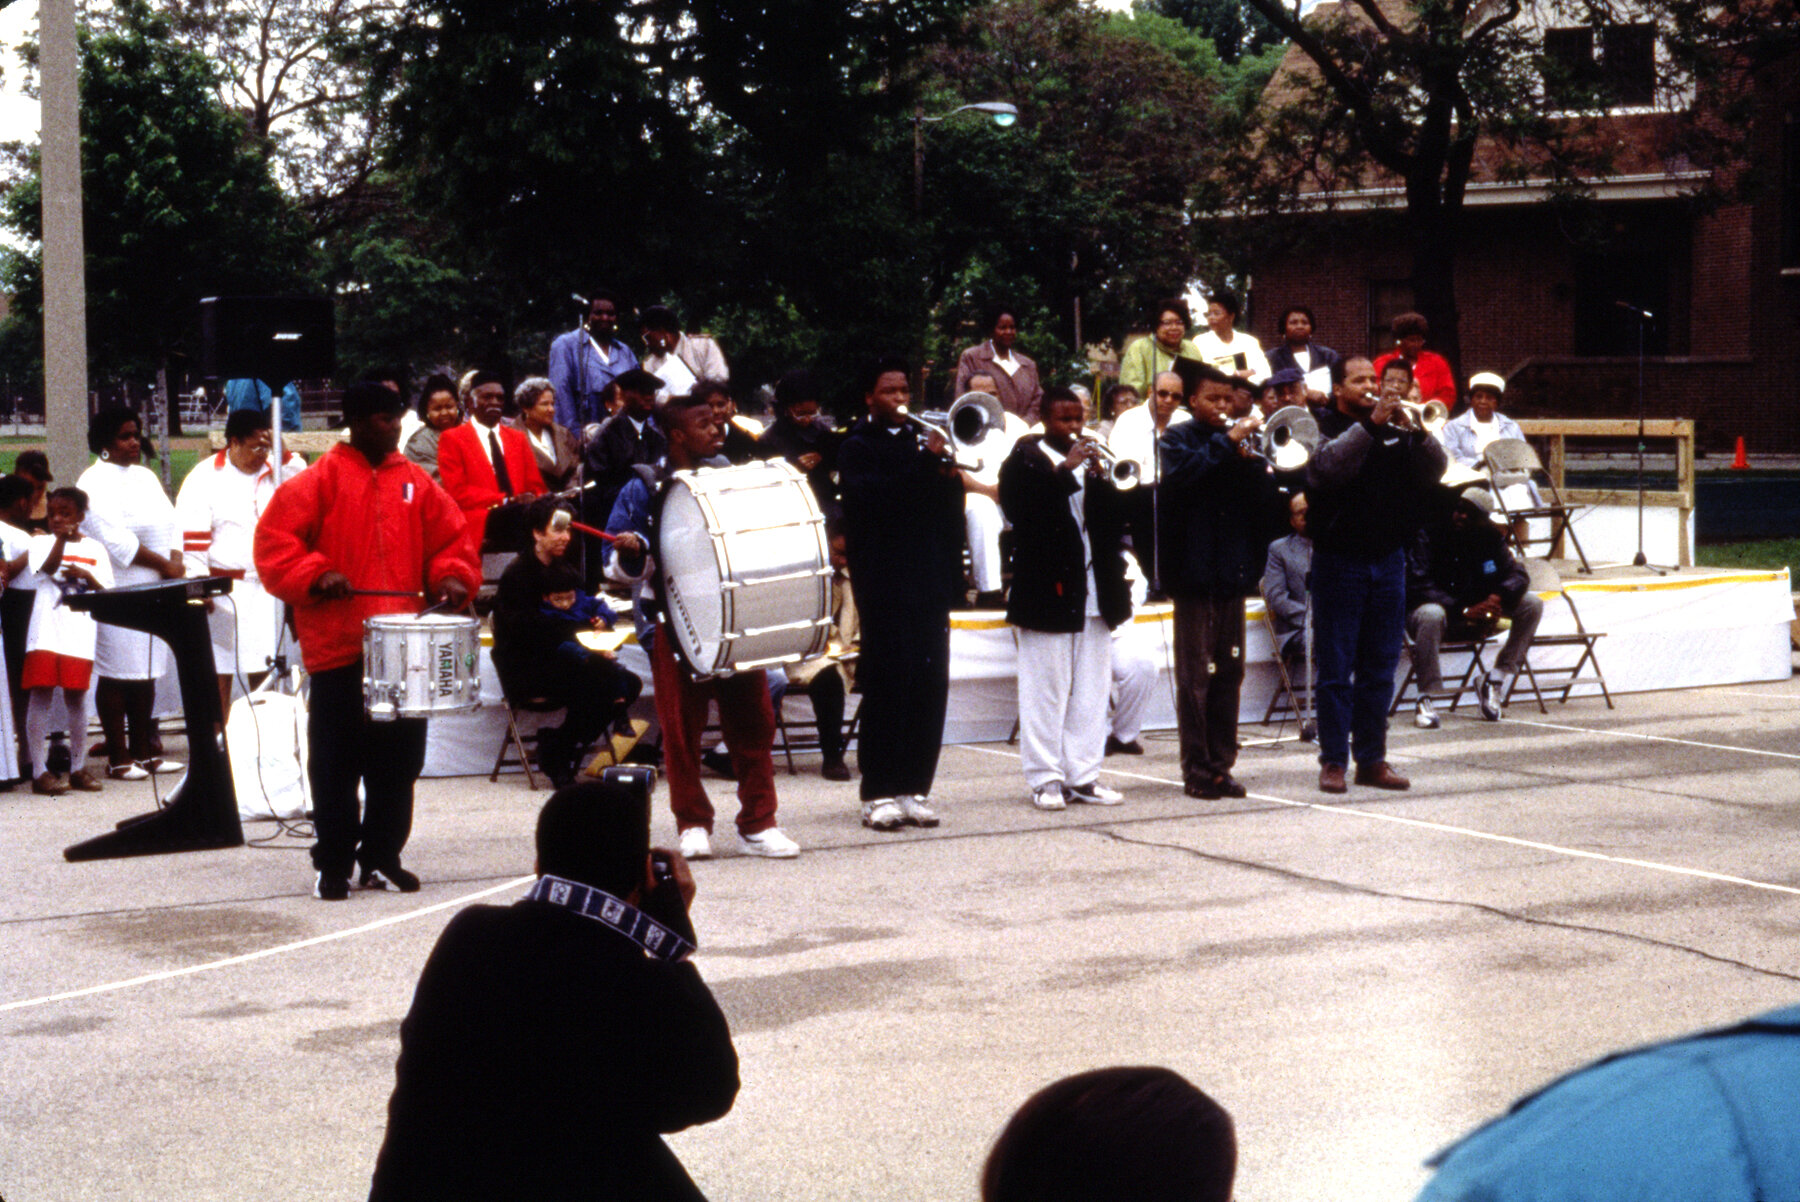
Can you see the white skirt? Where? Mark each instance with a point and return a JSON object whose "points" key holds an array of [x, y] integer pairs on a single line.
{"points": [[124, 654], [243, 629]]}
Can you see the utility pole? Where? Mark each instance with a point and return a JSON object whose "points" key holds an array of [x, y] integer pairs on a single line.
{"points": [[65, 261]]}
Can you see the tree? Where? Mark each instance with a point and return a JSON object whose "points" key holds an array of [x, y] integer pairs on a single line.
{"points": [[1404, 93], [1090, 198], [178, 203], [1234, 28]]}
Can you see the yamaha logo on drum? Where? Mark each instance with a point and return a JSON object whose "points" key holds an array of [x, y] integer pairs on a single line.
{"points": [[447, 663]]}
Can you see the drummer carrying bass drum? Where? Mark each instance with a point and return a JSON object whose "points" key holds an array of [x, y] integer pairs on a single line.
{"points": [[362, 520], [746, 718]]}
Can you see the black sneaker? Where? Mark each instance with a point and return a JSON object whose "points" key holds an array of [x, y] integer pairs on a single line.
{"points": [[835, 770], [331, 888], [1487, 691], [398, 877], [717, 761], [1115, 747]]}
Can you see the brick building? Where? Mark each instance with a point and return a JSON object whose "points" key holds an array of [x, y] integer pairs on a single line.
{"points": [[1540, 288]]}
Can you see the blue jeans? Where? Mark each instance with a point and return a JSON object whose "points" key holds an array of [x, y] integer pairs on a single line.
{"points": [[1359, 612]]}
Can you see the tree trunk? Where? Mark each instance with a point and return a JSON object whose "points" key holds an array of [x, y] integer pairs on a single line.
{"points": [[1436, 231]]}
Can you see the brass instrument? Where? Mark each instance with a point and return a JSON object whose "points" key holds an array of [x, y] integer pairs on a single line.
{"points": [[1428, 418], [1288, 440], [1125, 473], [970, 419]]}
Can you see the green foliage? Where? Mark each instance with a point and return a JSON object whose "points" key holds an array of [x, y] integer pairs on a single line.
{"points": [[1233, 27], [176, 204]]}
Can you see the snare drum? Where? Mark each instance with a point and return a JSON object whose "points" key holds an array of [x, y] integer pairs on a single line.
{"points": [[417, 665], [744, 567]]}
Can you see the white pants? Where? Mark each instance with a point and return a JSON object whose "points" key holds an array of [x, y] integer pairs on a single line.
{"points": [[1133, 681], [1064, 681], [983, 522]]}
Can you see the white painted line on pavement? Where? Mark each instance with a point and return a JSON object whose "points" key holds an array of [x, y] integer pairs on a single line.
{"points": [[1468, 832], [1632, 734], [150, 978]]}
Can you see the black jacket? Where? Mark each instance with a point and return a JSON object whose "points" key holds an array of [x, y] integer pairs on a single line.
{"points": [[1049, 586], [789, 440], [1370, 488], [608, 459], [1279, 356], [542, 1057], [1459, 568], [903, 523], [1213, 505]]}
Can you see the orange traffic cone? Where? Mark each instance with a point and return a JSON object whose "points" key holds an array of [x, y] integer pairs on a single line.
{"points": [[1741, 461]]}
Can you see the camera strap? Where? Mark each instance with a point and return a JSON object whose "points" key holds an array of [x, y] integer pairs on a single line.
{"points": [[657, 940]]}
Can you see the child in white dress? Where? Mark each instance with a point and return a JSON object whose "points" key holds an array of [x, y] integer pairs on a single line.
{"points": [[59, 649]]}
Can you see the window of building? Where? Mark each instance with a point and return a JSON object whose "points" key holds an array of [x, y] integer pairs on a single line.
{"points": [[1617, 60], [1387, 300]]}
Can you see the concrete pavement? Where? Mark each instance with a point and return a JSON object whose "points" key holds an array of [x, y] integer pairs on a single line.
{"points": [[1358, 980]]}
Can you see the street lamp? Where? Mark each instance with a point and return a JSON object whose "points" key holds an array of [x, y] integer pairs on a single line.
{"points": [[1001, 112]]}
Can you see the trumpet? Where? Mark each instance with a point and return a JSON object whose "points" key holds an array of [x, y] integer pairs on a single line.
{"points": [[1287, 441], [1124, 473], [1428, 418]]}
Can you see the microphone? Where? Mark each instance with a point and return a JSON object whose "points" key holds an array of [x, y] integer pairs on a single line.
{"points": [[1643, 313], [579, 299]]}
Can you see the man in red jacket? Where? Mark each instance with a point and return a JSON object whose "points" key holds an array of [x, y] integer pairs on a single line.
{"points": [[362, 518], [485, 464]]}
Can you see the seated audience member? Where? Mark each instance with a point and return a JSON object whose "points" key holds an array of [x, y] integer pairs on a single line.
{"points": [[1145, 358], [1224, 346], [740, 433], [1112, 1134], [439, 410], [551, 1042], [630, 437], [536, 653], [1134, 437], [1460, 581], [1243, 399], [1467, 435], [552, 445], [1430, 369], [1068, 594], [826, 680], [485, 465], [804, 435], [679, 360], [1284, 389], [1114, 400], [1134, 668], [1284, 583], [1015, 377]]}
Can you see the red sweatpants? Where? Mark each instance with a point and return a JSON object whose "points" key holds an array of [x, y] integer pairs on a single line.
{"points": [[745, 719]]}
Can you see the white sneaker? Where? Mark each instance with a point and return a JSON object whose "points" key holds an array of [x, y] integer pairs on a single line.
{"points": [[1487, 691], [883, 814], [1049, 796], [695, 845], [914, 811], [772, 844], [1427, 717], [1095, 794]]}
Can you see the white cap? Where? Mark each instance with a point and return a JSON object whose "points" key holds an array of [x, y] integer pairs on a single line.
{"points": [[1488, 379]]}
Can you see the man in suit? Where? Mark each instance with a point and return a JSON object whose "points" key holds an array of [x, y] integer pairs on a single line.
{"points": [[551, 1042], [1284, 582], [485, 464], [630, 437]]}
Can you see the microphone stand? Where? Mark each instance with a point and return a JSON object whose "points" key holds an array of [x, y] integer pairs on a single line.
{"points": [[1644, 316]]}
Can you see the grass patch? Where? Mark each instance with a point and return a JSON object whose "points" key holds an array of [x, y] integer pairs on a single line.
{"points": [[1766, 554]]}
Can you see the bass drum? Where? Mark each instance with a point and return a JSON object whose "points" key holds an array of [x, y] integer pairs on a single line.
{"points": [[420, 665], [743, 568]]}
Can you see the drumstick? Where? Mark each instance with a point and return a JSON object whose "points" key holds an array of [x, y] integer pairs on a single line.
{"points": [[561, 521], [385, 592]]}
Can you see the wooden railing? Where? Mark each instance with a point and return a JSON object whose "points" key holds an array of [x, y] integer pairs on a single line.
{"points": [[1557, 431]]}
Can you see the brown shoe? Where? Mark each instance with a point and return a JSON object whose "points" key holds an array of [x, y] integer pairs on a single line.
{"points": [[1331, 779], [86, 781], [50, 785], [1381, 776]]}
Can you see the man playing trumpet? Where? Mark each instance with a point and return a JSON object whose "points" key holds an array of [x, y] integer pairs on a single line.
{"points": [[1369, 489]]}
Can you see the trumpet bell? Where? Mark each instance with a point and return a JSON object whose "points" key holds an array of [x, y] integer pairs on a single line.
{"points": [[972, 417], [1289, 439]]}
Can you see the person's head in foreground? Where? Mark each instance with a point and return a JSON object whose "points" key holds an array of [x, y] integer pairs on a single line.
{"points": [[1135, 1134], [596, 833]]}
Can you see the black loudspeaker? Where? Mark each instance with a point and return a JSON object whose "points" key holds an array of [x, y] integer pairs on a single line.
{"points": [[269, 338]]}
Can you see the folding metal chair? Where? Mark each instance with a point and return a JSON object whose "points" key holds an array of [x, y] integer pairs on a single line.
{"points": [[1544, 579], [1512, 461]]}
